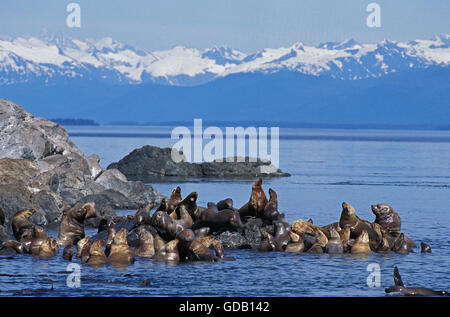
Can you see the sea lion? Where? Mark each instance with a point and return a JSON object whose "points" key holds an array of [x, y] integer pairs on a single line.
{"points": [[22, 227], [175, 200], [202, 232], [158, 243], [399, 287], [334, 225], [142, 217], [206, 241], [225, 204], [121, 253], [171, 251], [68, 253], [103, 224], [361, 244], [425, 248], [96, 255], [48, 249], [270, 212], [400, 245], [83, 247], [146, 247], [110, 239], [295, 247], [2, 217], [257, 202], [164, 206], [300, 227], [348, 216], [171, 226], [334, 245], [387, 218], [358, 225], [39, 236], [315, 248], [344, 235], [281, 237], [198, 252], [190, 204], [267, 242], [218, 221], [12, 247], [71, 229]]}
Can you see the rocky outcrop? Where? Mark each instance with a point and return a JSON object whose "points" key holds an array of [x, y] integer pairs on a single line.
{"points": [[150, 162], [42, 169]]}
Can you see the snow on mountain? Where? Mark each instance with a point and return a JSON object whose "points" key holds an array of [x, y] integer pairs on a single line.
{"points": [[51, 57]]}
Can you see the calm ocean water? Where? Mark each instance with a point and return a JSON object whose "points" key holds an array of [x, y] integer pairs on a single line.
{"points": [[409, 170]]}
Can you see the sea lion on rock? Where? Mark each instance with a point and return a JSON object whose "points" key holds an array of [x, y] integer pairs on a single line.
{"points": [[22, 227], [68, 253], [96, 255], [361, 244], [334, 245], [48, 249], [142, 217], [425, 248], [387, 218], [146, 247], [348, 216], [225, 204], [12, 247], [39, 237], [121, 253], [72, 225], [223, 220], [171, 226], [164, 206], [281, 237], [357, 225], [257, 202], [270, 212], [295, 247], [175, 200], [190, 204], [202, 232], [267, 242], [399, 287]]}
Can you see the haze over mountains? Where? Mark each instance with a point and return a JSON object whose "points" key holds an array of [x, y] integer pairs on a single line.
{"points": [[345, 83]]}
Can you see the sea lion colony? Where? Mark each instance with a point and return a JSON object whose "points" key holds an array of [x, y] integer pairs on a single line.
{"points": [[179, 230]]}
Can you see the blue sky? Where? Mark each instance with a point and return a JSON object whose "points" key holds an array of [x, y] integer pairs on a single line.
{"points": [[247, 25]]}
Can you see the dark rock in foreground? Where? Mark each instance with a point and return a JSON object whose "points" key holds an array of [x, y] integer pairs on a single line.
{"points": [[150, 163]]}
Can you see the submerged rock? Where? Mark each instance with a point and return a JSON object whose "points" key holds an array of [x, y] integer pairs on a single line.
{"points": [[150, 163]]}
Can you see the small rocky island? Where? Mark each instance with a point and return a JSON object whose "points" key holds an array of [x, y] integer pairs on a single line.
{"points": [[151, 163]]}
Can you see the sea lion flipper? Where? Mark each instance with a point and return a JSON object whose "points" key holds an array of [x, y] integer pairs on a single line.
{"points": [[397, 278]]}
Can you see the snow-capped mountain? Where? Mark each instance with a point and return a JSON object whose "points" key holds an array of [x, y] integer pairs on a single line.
{"points": [[50, 58]]}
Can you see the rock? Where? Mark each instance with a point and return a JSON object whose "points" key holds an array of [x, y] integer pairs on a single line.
{"points": [[250, 237], [4, 235], [231, 240], [94, 165], [152, 163]]}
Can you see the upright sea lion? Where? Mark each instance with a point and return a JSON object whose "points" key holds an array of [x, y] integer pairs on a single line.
{"points": [[83, 247], [96, 255], [121, 253], [2, 217], [72, 226], [267, 242], [175, 200], [39, 237], [22, 227], [158, 243], [219, 220], [48, 249], [190, 204], [257, 202], [198, 252], [348, 216], [171, 251], [110, 239], [270, 212], [399, 287], [68, 252], [164, 206], [361, 244], [146, 247], [12, 247], [220, 252], [334, 245], [425, 248], [387, 218], [103, 225], [357, 225], [281, 237], [400, 245]]}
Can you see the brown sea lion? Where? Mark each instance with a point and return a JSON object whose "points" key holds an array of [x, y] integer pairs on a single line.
{"points": [[190, 204], [68, 253], [295, 247], [171, 226], [225, 204], [361, 244], [71, 229], [334, 245], [315, 248], [23, 228], [48, 249], [399, 287], [202, 232], [158, 243], [220, 220], [39, 237], [171, 251], [146, 247], [110, 239], [2, 217], [121, 253], [267, 242], [199, 252], [164, 206], [357, 225], [270, 212], [334, 225], [218, 248], [400, 245], [348, 216], [257, 202], [96, 255], [206, 241], [175, 200], [142, 217], [425, 248], [387, 218], [12, 247], [103, 224], [83, 247], [300, 227]]}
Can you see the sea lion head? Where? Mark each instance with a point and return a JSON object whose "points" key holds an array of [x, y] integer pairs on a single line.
{"points": [[186, 236], [159, 219], [363, 237], [68, 252], [334, 235], [425, 248], [39, 232], [348, 216], [164, 206], [96, 249], [176, 194], [257, 184], [273, 195], [22, 227], [387, 218], [83, 245], [121, 237], [15, 245], [48, 248], [90, 210], [191, 202]]}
